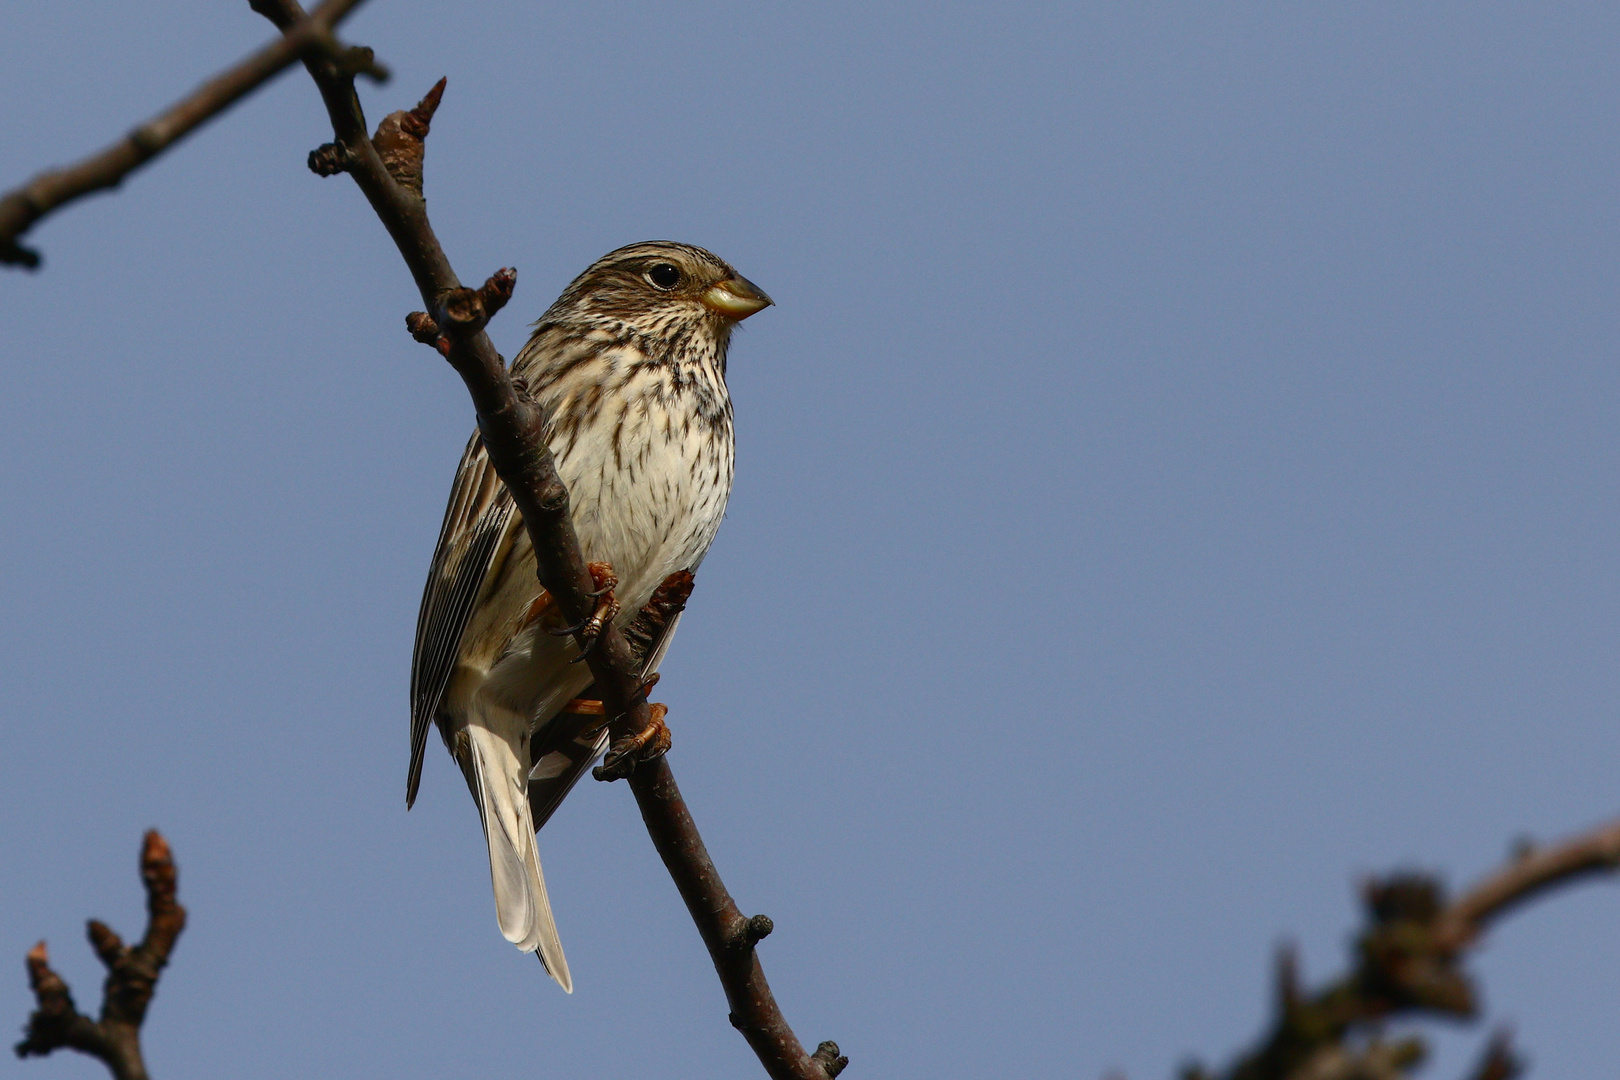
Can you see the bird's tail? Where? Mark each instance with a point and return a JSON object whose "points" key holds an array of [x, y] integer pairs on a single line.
{"points": [[521, 907]]}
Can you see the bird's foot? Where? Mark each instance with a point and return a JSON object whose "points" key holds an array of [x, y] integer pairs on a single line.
{"points": [[623, 756], [589, 706], [589, 632]]}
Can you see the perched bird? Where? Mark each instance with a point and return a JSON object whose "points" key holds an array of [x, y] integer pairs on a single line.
{"points": [[630, 365]]}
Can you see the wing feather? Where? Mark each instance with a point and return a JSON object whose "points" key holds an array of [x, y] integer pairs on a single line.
{"points": [[475, 522]]}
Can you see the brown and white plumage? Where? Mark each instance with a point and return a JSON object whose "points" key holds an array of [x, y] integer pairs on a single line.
{"points": [[629, 364]]}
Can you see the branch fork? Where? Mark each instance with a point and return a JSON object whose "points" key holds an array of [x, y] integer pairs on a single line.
{"points": [[1408, 961], [463, 312], [303, 37], [132, 976]]}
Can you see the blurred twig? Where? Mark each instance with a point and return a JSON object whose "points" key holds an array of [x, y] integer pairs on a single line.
{"points": [[22, 207], [132, 975], [1408, 962]]}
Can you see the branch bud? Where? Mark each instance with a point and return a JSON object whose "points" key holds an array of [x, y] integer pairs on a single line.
{"points": [[105, 940], [425, 330], [401, 140], [495, 292], [329, 159]]}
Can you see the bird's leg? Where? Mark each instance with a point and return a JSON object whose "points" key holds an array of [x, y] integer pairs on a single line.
{"points": [[541, 605], [607, 609], [623, 756], [588, 706]]}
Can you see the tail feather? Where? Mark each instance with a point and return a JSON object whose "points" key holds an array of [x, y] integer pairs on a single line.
{"points": [[521, 906]]}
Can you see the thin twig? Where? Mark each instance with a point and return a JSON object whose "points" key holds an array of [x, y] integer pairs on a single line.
{"points": [[1529, 874], [132, 975], [22, 207], [1408, 962], [1499, 1060], [388, 171], [729, 936]]}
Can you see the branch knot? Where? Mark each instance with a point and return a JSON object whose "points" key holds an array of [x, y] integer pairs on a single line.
{"points": [[830, 1060], [752, 932]]}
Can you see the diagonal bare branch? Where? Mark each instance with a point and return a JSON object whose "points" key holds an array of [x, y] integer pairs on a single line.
{"points": [[388, 170], [21, 208]]}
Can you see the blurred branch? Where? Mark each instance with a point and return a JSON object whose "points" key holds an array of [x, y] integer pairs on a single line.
{"points": [[22, 207], [132, 975], [1408, 962], [1531, 873], [388, 170], [1500, 1061]]}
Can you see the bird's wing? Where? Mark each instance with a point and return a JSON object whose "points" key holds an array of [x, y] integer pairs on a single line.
{"points": [[563, 749], [475, 522]]}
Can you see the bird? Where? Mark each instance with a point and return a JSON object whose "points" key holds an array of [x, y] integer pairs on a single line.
{"points": [[629, 366]]}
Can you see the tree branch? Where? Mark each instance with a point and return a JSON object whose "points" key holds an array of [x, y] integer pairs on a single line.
{"points": [[132, 976], [1408, 961], [388, 170], [1530, 874], [728, 935], [22, 207]]}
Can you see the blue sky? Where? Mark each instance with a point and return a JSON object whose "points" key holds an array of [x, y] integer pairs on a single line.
{"points": [[1178, 479]]}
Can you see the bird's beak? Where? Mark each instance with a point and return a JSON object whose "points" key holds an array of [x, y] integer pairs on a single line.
{"points": [[735, 299]]}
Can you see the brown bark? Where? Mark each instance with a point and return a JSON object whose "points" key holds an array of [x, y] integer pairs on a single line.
{"points": [[1408, 961], [21, 208], [388, 170], [132, 975]]}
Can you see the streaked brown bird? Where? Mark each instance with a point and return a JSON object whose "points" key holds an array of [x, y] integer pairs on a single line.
{"points": [[630, 365]]}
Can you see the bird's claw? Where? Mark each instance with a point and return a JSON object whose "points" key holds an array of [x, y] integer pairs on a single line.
{"points": [[623, 756], [607, 609]]}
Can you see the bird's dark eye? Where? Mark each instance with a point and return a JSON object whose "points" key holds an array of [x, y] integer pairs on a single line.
{"points": [[664, 275]]}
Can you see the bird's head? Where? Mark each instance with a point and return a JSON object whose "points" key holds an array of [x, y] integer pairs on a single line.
{"points": [[657, 287]]}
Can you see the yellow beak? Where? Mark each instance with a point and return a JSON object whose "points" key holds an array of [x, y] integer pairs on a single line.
{"points": [[735, 299]]}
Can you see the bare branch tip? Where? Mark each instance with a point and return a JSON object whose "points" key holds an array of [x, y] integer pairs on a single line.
{"points": [[15, 254], [498, 290], [1287, 976], [429, 104], [360, 60], [39, 963], [155, 849], [1500, 1061], [105, 941], [158, 872], [418, 121], [49, 1023]]}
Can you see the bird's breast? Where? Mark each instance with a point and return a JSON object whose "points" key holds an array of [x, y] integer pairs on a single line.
{"points": [[648, 475]]}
